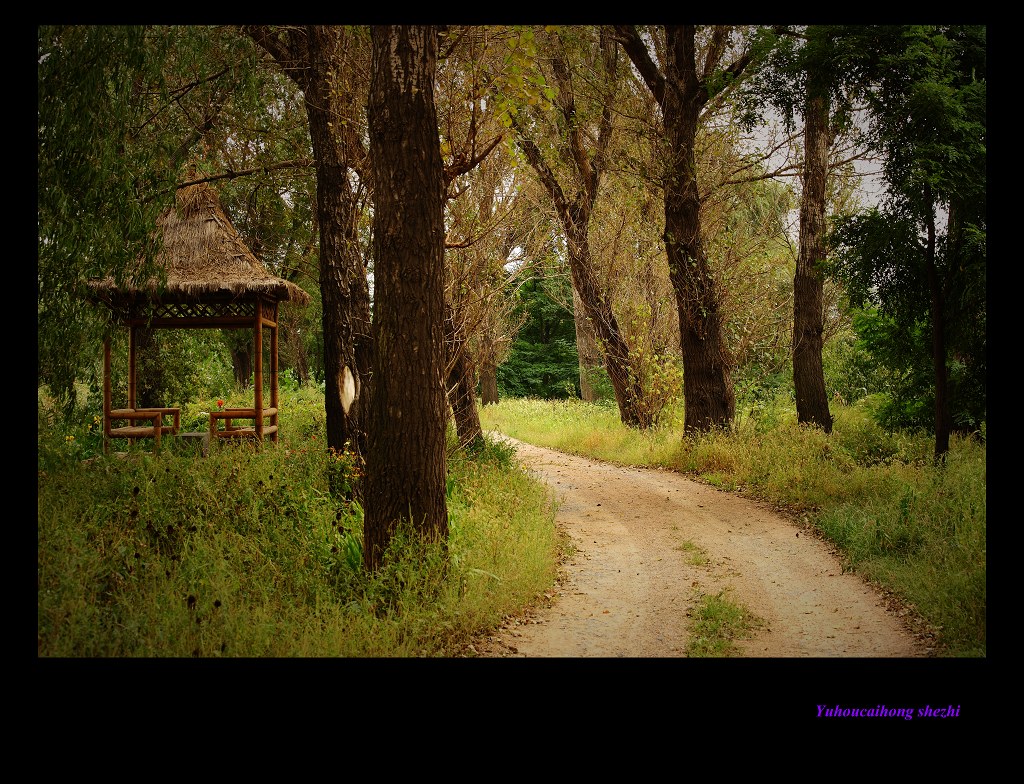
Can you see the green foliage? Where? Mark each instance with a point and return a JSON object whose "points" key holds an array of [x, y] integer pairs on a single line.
{"points": [[96, 209], [850, 371], [894, 359], [543, 360], [928, 115]]}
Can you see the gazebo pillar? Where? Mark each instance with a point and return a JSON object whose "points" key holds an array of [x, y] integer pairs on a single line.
{"points": [[106, 393], [258, 372], [273, 373]]}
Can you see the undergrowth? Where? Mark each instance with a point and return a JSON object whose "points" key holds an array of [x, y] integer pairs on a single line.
{"points": [[246, 552]]}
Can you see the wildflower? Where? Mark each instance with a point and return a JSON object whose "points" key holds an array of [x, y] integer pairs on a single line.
{"points": [[220, 403], [69, 439]]}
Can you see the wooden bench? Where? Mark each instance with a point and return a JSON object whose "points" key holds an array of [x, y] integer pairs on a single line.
{"points": [[231, 430], [155, 429]]}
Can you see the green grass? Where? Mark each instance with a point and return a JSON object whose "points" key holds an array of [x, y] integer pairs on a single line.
{"points": [[913, 527], [717, 623], [245, 553], [695, 555]]}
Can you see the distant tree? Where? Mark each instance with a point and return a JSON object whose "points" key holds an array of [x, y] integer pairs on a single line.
{"points": [[543, 361], [581, 135], [921, 258], [405, 461], [479, 195], [808, 282], [688, 76]]}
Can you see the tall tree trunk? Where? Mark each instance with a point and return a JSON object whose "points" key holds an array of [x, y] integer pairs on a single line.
{"points": [[709, 400], [462, 394], [488, 384], [343, 282], [461, 386], [405, 459], [586, 348], [314, 58], [808, 328], [682, 93], [937, 307], [628, 394]]}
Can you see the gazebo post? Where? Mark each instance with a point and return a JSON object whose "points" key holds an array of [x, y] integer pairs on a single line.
{"points": [[273, 374], [106, 394], [258, 372]]}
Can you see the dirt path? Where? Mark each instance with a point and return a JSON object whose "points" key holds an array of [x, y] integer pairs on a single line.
{"points": [[649, 543]]}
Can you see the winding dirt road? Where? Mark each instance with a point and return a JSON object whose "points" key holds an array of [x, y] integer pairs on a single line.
{"points": [[649, 543]]}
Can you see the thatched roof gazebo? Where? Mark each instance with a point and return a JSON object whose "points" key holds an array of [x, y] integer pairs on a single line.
{"points": [[213, 282]]}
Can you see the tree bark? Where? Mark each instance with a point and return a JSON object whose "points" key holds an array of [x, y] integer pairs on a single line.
{"points": [[709, 399], [586, 348], [628, 394], [462, 394], [488, 384], [405, 460], [343, 283], [314, 58], [461, 387], [937, 308], [808, 373], [241, 364]]}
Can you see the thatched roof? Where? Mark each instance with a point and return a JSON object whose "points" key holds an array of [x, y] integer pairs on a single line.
{"points": [[205, 257]]}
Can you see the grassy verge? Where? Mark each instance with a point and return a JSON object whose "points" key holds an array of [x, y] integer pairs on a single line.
{"points": [[917, 529], [245, 553]]}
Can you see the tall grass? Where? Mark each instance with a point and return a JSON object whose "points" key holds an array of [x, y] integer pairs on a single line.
{"points": [[245, 553], [913, 527]]}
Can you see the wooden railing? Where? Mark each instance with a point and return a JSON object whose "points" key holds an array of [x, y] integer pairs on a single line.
{"points": [[232, 430], [155, 428]]}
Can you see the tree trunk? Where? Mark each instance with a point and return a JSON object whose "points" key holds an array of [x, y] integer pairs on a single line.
{"points": [[574, 213], [461, 386], [313, 57], [628, 394], [296, 352], [343, 284], [405, 459], [937, 307], [808, 373], [462, 394], [488, 384], [586, 348], [241, 365], [709, 400]]}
